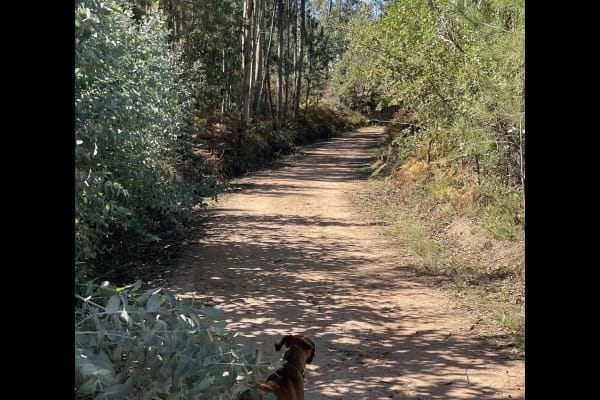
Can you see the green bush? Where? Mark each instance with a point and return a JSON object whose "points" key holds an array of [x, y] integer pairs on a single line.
{"points": [[501, 210], [321, 122], [147, 345], [130, 106]]}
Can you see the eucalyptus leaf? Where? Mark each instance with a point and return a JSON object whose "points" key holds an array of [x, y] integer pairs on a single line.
{"points": [[205, 383], [151, 337], [113, 304], [146, 295], [88, 387], [170, 298], [124, 299], [154, 303], [116, 391], [97, 365], [175, 396], [195, 318], [182, 367], [151, 351], [138, 284], [131, 287]]}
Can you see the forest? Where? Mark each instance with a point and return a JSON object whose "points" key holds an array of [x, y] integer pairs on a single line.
{"points": [[175, 97]]}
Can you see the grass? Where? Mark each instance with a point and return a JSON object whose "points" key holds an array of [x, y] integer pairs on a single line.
{"points": [[440, 261]]}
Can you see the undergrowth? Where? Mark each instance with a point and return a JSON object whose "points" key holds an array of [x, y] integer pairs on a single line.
{"points": [[207, 159], [439, 261], [420, 201]]}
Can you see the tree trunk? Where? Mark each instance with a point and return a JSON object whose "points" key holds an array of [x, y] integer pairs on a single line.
{"points": [[269, 97], [299, 62], [246, 64], [267, 65], [258, 55], [279, 63], [290, 27], [224, 91], [307, 95]]}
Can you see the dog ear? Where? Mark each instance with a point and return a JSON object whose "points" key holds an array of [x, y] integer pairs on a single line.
{"points": [[282, 342], [311, 345]]}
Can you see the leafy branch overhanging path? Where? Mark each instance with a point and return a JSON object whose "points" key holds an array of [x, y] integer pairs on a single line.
{"points": [[288, 253]]}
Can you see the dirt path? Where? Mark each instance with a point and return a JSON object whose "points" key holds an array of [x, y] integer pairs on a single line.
{"points": [[289, 253]]}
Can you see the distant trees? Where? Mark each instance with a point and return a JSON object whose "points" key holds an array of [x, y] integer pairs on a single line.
{"points": [[147, 71], [254, 41], [458, 67]]}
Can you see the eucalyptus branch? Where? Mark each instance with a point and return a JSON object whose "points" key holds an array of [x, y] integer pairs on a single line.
{"points": [[88, 301], [106, 334]]}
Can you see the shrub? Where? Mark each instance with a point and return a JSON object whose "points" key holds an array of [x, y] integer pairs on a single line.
{"points": [[147, 345], [130, 106], [501, 210]]}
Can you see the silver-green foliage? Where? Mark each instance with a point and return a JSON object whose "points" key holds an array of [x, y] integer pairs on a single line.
{"points": [[148, 345], [130, 106], [458, 66]]}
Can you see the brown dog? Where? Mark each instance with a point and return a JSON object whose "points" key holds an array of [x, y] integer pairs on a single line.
{"points": [[287, 383]]}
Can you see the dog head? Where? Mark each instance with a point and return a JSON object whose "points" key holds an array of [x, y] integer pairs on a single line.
{"points": [[300, 348]]}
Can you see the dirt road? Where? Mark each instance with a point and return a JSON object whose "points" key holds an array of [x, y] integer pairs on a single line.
{"points": [[289, 253]]}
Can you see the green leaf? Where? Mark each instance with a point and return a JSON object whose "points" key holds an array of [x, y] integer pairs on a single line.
{"points": [[146, 295], [195, 319], [150, 338], [184, 363], [134, 286], [98, 365], [116, 391], [170, 298], [88, 387], [113, 304], [154, 303], [205, 383], [176, 396], [124, 299]]}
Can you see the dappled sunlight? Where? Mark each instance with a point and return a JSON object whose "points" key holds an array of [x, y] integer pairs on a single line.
{"points": [[282, 258]]}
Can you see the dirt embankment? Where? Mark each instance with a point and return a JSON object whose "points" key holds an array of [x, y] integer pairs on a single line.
{"points": [[288, 252]]}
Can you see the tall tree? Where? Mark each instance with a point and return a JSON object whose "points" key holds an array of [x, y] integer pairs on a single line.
{"points": [[245, 99], [280, 62], [459, 67], [299, 63]]}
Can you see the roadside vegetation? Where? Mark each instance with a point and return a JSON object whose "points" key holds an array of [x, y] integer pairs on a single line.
{"points": [[447, 80]]}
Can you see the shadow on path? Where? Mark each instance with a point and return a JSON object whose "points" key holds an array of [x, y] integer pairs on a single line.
{"points": [[288, 254]]}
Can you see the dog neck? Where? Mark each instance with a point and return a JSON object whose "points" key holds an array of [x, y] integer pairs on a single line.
{"points": [[294, 364], [298, 367]]}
